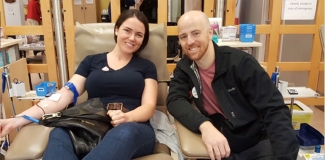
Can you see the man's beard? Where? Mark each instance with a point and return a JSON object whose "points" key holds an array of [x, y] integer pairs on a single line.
{"points": [[198, 55]]}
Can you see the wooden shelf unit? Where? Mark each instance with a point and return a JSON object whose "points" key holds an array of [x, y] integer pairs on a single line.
{"points": [[46, 29]]}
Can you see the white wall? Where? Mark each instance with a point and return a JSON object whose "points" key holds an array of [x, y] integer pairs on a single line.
{"points": [[256, 12], [296, 48], [293, 47]]}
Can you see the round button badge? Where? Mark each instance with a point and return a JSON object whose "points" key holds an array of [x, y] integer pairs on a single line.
{"points": [[194, 93]]}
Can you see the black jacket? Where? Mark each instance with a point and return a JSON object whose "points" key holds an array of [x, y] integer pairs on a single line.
{"points": [[253, 106]]}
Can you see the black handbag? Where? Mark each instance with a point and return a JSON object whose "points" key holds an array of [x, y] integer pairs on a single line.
{"points": [[87, 124]]}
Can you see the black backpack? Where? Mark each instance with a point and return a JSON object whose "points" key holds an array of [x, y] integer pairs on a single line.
{"points": [[149, 8], [173, 46]]}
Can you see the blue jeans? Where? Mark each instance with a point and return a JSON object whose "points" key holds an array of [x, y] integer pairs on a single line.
{"points": [[124, 142]]}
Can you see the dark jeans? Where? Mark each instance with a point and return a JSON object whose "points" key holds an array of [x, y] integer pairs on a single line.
{"points": [[261, 151], [252, 142], [124, 142]]}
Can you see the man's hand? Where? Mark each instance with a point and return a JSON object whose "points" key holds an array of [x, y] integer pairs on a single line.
{"points": [[215, 142]]}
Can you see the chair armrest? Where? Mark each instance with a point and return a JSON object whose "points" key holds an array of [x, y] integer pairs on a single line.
{"points": [[29, 143], [191, 143]]}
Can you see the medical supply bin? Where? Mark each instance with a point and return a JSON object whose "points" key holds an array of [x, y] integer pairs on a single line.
{"points": [[301, 114], [44, 88], [247, 32]]}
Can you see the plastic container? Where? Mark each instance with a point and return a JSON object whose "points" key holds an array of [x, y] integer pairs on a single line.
{"points": [[247, 32], [44, 88], [246, 37], [215, 38], [228, 33], [309, 136], [301, 114], [247, 27]]}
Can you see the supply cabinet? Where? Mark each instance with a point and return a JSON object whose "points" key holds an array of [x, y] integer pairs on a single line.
{"points": [[84, 11]]}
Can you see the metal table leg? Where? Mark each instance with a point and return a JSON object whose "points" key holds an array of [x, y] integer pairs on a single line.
{"points": [[291, 105]]}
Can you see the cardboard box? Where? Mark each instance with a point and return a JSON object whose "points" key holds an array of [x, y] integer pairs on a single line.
{"points": [[229, 33]]}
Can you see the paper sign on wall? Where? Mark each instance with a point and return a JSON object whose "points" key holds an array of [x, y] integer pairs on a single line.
{"points": [[77, 2], [299, 9], [89, 1]]}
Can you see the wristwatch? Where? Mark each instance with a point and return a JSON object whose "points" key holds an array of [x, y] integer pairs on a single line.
{"points": [[72, 88]]}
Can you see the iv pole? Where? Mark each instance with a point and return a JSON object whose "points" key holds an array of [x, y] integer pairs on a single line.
{"points": [[7, 75], [6, 79]]}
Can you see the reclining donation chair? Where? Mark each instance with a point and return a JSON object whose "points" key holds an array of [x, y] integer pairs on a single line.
{"points": [[191, 143], [32, 139]]}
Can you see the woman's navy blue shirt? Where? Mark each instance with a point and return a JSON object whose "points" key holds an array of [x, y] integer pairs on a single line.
{"points": [[124, 85]]}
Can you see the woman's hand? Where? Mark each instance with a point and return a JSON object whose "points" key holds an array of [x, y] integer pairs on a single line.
{"points": [[117, 116], [7, 125]]}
